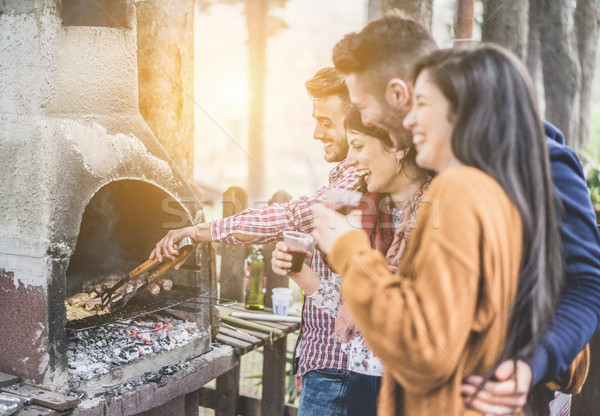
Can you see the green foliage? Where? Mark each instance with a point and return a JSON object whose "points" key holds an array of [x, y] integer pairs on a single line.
{"points": [[257, 377], [594, 140], [292, 395], [290, 389], [591, 159], [591, 170]]}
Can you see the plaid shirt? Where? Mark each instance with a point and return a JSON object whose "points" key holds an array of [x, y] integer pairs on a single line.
{"points": [[316, 348]]}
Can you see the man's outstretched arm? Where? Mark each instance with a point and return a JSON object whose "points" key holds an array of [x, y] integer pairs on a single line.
{"points": [[166, 247]]}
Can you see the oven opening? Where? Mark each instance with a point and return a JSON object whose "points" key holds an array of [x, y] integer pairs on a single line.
{"points": [[119, 228]]}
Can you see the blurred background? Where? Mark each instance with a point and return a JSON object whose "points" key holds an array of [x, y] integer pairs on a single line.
{"points": [[300, 35]]}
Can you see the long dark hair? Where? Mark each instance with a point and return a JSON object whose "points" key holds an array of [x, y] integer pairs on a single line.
{"points": [[497, 128], [353, 122]]}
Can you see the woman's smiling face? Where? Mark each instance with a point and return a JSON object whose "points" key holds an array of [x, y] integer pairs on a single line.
{"points": [[430, 125], [377, 164]]}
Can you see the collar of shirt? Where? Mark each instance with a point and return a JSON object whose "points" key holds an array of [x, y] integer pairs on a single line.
{"points": [[340, 170]]}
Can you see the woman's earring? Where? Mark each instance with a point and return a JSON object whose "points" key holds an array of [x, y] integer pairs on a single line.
{"points": [[400, 158]]}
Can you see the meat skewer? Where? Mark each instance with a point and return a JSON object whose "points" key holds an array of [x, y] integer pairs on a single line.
{"points": [[184, 246], [154, 289], [165, 284]]}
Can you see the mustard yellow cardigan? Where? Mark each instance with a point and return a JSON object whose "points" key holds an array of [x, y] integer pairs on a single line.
{"points": [[444, 316]]}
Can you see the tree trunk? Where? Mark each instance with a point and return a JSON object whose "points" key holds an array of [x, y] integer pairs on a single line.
{"points": [[374, 9], [533, 46], [505, 23], [419, 10], [256, 19], [560, 67], [463, 22], [587, 18]]}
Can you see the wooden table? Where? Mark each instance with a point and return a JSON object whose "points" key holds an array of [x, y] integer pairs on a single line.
{"points": [[226, 399]]}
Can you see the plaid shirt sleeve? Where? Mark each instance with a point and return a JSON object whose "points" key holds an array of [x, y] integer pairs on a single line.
{"points": [[269, 222]]}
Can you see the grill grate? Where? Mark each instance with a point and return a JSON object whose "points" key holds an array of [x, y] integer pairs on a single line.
{"points": [[142, 304]]}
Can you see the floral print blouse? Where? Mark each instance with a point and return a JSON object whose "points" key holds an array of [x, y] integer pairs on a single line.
{"points": [[360, 357]]}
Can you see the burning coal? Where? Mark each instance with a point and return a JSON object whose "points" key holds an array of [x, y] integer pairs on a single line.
{"points": [[99, 350]]}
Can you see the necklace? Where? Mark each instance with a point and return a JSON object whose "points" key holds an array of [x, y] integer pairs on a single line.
{"points": [[396, 216]]}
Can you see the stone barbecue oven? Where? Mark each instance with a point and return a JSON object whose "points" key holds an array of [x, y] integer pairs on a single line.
{"points": [[85, 187]]}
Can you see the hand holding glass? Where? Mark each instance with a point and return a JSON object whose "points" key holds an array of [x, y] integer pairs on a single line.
{"points": [[299, 245]]}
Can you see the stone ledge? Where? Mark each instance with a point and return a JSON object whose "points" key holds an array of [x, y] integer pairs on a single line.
{"points": [[202, 370]]}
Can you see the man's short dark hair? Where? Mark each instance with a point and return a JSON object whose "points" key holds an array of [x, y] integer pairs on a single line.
{"points": [[386, 48], [327, 81]]}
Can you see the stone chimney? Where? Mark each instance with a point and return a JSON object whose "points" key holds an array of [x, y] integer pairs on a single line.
{"points": [[71, 129]]}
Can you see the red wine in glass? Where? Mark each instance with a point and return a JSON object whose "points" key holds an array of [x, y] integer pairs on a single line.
{"points": [[297, 260]]}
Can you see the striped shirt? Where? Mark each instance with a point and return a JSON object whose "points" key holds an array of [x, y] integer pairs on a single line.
{"points": [[316, 347]]}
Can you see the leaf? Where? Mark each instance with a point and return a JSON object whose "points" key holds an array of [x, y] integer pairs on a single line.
{"points": [[591, 171], [275, 25]]}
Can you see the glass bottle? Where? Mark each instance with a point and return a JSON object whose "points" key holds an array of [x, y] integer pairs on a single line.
{"points": [[256, 279]]}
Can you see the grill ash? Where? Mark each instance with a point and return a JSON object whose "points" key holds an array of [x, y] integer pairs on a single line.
{"points": [[100, 350]]}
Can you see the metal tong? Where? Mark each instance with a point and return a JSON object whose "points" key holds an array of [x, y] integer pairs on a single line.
{"points": [[184, 247]]}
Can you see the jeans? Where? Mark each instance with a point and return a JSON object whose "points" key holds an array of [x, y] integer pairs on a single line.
{"points": [[361, 394], [323, 393]]}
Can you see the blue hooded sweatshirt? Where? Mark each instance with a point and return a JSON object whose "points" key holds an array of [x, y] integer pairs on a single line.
{"points": [[577, 317]]}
